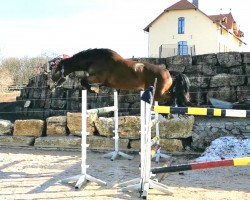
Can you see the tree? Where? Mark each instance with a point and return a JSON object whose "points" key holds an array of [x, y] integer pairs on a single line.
{"points": [[21, 70]]}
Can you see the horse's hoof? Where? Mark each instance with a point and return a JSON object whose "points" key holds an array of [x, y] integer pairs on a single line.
{"points": [[95, 89]]}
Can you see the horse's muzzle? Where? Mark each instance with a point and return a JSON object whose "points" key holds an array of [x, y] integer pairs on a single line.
{"points": [[53, 84], [55, 76]]}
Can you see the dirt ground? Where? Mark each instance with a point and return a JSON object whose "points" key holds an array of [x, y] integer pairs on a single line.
{"points": [[28, 173], [9, 96]]}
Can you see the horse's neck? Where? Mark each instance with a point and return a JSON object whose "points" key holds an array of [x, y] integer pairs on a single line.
{"points": [[72, 65]]}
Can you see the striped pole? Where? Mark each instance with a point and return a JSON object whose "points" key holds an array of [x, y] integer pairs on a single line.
{"points": [[203, 165], [216, 112]]}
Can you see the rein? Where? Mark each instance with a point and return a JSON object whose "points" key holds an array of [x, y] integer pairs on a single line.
{"points": [[62, 72]]}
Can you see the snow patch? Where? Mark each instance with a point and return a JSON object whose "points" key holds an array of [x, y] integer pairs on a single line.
{"points": [[226, 148]]}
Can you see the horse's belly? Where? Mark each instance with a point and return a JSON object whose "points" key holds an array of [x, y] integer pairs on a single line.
{"points": [[126, 85]]}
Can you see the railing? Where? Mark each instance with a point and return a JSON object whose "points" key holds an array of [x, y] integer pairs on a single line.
{"points": [[168, 50], [5, 88]]}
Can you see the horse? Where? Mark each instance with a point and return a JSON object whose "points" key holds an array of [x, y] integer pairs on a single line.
{"points": [[107, 68]]}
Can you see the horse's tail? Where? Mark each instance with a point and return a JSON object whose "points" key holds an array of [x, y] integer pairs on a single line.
{"points": [[180, 89]]}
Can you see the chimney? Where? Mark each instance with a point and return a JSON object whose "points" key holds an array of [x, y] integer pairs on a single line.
{"points": [[196, 3]]}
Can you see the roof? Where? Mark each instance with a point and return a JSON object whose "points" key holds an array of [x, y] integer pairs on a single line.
{"points": [[226, 20], [181, 5]]}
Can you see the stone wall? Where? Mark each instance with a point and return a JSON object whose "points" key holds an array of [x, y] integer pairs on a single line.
{"points": [[206, 129], [40, 102], [177, 134], [65, 132], [224, 76]]}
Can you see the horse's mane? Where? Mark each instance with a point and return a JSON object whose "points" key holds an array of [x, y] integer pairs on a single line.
{"points": [[108, 53]]}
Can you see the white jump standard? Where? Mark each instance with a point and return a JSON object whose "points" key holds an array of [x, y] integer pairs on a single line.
{"points": [[83, 177], [116, 152], [145, 182]]}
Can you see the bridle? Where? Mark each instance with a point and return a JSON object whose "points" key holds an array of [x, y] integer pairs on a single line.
{"points": [[62, 76]]}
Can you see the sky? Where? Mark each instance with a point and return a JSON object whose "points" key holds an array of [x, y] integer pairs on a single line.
{"points": [[30, 28]]}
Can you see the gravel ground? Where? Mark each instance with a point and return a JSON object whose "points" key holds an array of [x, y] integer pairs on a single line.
{"points": [[34, 174]]}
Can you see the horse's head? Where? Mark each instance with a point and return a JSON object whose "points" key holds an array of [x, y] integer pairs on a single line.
{"points": [[57, 72], [56, 68]]}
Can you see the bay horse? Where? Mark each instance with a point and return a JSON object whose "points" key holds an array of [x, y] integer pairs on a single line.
{"points": [[107, 68]]}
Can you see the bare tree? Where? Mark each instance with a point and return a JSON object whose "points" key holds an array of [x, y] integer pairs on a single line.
{"points": [[21, 70], [5, 78]]}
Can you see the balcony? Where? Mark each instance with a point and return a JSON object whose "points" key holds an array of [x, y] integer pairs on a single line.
{"points": [[169, 50]]}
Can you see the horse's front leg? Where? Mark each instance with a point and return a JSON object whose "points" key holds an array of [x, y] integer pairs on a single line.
{"points": [[90, 88]]}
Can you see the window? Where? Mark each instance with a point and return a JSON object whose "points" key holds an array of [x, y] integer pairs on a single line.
{"points": [[181, 25], [182, 48]]}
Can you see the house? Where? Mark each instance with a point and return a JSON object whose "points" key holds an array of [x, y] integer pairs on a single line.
{"points": [[183, 29]]}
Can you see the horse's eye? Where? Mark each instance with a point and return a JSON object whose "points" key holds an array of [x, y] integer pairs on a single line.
{"points": [[51, 67]]}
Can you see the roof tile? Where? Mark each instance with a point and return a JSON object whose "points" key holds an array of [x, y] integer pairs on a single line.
{"points": [[181, 5], [228, 23]]}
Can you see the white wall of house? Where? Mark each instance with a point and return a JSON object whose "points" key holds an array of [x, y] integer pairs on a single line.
{"points": [[200, 31], [227, 41]]}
